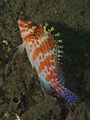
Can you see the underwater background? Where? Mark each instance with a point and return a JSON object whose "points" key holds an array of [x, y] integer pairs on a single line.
{"points": [[19, 98]]}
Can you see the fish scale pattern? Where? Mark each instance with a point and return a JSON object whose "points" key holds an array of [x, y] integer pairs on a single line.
{"points": [[40, 47]]}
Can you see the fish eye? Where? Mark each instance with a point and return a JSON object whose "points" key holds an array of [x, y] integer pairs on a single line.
{"points": [[26, 26]]}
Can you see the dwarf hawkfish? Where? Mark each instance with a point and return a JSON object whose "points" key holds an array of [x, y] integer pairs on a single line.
{"points": [[43, 53]]}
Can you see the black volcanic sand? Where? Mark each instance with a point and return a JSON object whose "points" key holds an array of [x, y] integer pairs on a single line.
{"points": [[21, 97]]}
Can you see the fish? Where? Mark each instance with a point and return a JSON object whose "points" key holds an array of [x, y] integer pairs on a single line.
{"points": [[43, 53]]}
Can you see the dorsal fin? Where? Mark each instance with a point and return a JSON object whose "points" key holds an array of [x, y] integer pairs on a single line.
{"points": [[58, 49]]}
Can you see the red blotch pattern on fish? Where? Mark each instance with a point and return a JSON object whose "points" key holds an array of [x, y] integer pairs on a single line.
{"points": [[40, 46]]}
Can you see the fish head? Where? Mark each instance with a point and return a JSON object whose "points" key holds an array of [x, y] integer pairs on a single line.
{"points": [[26, 27]]}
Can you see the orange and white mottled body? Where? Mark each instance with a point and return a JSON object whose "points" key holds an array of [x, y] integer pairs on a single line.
{"points": [[40, 47]]}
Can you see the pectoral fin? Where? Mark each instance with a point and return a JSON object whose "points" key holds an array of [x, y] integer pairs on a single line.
{"points": [[18, 50]]}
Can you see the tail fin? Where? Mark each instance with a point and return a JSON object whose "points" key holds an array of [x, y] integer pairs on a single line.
{"points": [[69, 96]]}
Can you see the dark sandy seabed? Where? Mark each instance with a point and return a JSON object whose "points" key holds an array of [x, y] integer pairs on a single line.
{"points": [[19, 98]]}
